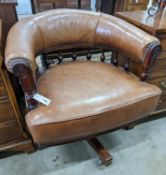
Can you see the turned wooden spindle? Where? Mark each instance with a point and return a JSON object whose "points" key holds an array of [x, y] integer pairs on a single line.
{"points": [[102, 57], [89, 55], [126, 66], [115, 61], [60, 58], [74, 55], [45, 61]]}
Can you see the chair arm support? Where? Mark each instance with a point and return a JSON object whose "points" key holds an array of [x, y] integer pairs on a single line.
{"points": [[25, 76], [150, 59]]}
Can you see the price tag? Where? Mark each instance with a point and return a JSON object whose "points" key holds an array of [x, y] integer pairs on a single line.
{"points": [[40, 98]]}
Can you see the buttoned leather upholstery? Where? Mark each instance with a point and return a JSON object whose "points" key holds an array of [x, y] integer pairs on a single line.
{"points": [[88, 98]]}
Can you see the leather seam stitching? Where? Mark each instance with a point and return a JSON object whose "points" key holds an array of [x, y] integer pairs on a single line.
{"points": [[40, 33], [97, 27], [86, 116]]}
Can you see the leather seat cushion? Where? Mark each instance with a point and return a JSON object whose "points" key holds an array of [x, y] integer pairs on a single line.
{"points": [[88, 98]]}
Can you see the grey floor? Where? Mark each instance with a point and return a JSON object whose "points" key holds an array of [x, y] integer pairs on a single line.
{"points": [[141, 151]]}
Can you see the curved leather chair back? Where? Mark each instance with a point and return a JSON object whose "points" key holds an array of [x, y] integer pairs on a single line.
{"points": [[64, 27]]}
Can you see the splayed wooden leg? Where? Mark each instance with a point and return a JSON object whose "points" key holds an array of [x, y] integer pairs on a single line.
{"points": [[104, 155]]}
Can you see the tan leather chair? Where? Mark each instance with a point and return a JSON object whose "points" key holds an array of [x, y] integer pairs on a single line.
{"points": [[87, 98]]}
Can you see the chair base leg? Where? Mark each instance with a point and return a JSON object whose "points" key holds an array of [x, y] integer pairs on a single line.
{"points": [[104, 155], [130, 126]]}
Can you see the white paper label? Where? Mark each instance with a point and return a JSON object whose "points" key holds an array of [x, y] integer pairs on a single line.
{"points": [[40, 98]]}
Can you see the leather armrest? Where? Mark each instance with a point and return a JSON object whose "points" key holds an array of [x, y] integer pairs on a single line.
{"points": [[126, 38]]}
